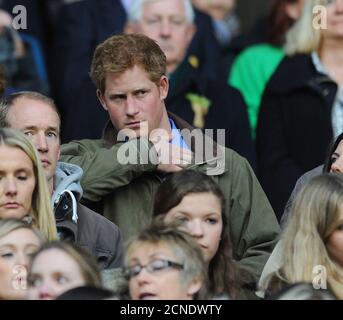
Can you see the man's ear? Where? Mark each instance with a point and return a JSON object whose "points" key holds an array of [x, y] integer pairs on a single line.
{"points": [[101, 99], [164, 87]]}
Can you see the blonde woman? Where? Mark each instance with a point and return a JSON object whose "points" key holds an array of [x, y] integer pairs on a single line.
{"points": [[301, 110], [23, 187], [18, 241], [312, 240]]}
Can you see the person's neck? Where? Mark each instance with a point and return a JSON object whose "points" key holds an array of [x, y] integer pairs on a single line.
{"points": [[331, 55], [171, 67], [165, 123]]}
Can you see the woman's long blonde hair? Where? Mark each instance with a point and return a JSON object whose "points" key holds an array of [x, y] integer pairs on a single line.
{"points": [[41, 208], [302, 37], [316, 214]]}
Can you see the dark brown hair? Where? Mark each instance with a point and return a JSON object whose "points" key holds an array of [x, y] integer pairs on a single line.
{"points": [[278, 21], [223, 272], [328, 161]]}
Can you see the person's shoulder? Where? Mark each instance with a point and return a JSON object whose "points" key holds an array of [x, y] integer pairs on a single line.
{"points": [[292, 73], [96, 221], [259, 51], [84, 143]]}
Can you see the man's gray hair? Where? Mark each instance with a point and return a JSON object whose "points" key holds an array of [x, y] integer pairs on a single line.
{"points": [[135, 11]]}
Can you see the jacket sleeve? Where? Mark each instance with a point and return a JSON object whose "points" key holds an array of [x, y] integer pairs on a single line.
{"points": [[278, 170], [107, 169], [253, 225]]}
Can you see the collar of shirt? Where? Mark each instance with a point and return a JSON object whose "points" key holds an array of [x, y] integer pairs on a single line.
{"points": [[317, 63], [126, 4], [177, 138]]}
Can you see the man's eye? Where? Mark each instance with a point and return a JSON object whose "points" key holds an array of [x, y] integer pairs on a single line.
{"points": [[152, 21], [28, 133], [7, 255], [52, 134], [177, 22], [61, 279]]}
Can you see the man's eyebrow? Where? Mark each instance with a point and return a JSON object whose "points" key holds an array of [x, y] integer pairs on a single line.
{"points": [[33, 127]]}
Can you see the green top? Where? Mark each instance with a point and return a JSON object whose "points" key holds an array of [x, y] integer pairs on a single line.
{"points": [[250, 73]]}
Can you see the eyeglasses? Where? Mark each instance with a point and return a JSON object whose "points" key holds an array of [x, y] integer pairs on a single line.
{"points": [[152, 267]]}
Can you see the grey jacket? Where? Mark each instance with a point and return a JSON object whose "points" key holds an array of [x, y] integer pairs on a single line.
{"points": [[75, 222]]}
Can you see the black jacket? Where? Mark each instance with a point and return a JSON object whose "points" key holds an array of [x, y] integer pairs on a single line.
{"points": [[227, 110], [93, 232], [294, 127]]}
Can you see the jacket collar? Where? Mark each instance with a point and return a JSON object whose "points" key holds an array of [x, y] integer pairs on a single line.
{"points": [[187, 77], [302, 66], [207, 151]]}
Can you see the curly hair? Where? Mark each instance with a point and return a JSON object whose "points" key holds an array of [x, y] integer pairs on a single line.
{"points": [[122, 52]]}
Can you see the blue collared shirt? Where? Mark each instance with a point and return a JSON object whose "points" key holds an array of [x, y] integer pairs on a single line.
{"points": [[337, 108], [177, 138]]}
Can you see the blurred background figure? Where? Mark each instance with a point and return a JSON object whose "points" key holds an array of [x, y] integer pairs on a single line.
{"points": [[18, 241], [253, 67], [17, 56], [58, 267], [164, 263], [23, 187], [301, 109], [225, 22]]}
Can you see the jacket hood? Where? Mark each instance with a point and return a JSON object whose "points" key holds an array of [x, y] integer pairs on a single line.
{"points": [[67, 177]]}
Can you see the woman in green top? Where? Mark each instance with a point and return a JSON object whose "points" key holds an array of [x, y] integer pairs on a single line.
{"points": [[253, 68]]}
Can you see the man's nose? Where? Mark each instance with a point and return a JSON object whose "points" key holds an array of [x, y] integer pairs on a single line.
{"points": [[41, 143], [132, 107], [165, 28]]}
